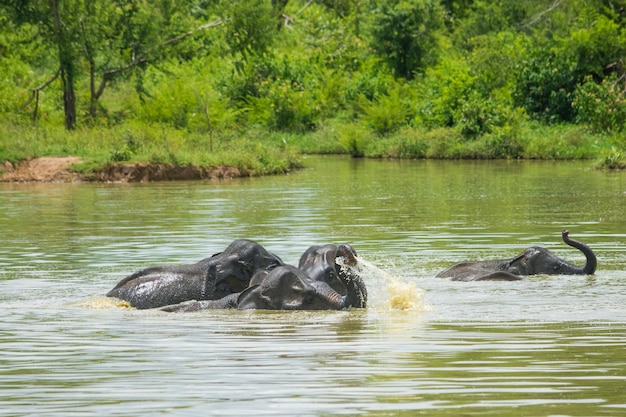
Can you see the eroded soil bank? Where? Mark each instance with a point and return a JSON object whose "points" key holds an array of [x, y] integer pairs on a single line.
{"points": [[59, 169]]}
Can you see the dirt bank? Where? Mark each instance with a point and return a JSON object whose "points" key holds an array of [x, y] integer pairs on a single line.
{"points": [[59, 169]]}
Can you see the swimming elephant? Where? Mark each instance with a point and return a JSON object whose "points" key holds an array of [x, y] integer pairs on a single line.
{"points": [[534, 260], [213, 278], [336, 266], [283, 287]]}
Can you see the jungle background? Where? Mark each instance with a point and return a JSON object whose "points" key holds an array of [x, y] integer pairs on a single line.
{"points": [[258, 83]]}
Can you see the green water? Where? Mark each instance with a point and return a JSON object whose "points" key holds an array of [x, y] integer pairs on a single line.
{"points": [[541, 346]]}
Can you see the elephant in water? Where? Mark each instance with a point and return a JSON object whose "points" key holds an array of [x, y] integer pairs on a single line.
{"points": [[213, 278], [336, 266], [319, 283], [534, 260], [284, 287]]}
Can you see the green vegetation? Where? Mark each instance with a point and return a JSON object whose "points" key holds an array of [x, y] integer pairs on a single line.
{"points": [[255, 83]]}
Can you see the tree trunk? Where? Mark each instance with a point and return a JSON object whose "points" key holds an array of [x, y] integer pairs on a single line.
{"points": [[69, 98], [66, 64]]}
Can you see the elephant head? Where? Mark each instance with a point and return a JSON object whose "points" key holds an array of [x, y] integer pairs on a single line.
{"points": [[284, 287], [336, 266], [213, 278], [532, 261], [289, 288], [538, 260]]}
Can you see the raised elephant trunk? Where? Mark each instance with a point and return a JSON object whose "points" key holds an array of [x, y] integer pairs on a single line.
{"points": [[355, 287], [590, 266]]}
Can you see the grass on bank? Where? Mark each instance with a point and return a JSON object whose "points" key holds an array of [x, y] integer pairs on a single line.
{"points": [[529, 141], [259, 152], [157, 144]]}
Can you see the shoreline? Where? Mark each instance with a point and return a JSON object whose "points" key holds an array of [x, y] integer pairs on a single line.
{"points": [[59, 170]]}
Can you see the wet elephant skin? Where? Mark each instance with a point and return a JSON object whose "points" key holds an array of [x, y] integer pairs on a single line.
{"points": [[213, 278], [284, 287], [337, 266], [318, 283]]}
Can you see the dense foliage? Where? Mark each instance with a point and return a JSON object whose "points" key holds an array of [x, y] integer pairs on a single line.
{"points": [[386, 78]]}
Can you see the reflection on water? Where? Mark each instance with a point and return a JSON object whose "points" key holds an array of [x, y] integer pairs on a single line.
{"points": [[425, 346]]}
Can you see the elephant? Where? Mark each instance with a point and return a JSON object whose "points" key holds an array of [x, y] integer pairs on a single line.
{"points": [[532, 261], [320, 263], [283, 287], [213, 278]]}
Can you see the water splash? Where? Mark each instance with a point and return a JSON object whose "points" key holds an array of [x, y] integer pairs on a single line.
{"points": [[100, 302], [387, 292]]}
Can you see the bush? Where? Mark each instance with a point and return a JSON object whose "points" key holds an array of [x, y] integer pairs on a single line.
{"points": [[601, 105], [387, 112], [442, 90], [406, 143], [612, 159], [546, 84], [552, 72], [560, 142], [355, 138], [443, 143], [475, 115]]}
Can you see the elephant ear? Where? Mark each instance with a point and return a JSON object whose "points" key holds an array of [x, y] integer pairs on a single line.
{"points": [[252, 298], [258, 278]]}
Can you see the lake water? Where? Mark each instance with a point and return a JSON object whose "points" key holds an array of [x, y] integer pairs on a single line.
{"points": [[425, 346]]}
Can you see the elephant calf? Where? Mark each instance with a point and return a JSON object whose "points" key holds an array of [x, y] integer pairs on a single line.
{"points": [[534, 260]]}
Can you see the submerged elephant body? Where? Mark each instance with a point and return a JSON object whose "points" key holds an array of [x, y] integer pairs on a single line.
{"points": [[318, 283], [212, 278], [246, 276], [285, 287], [532, 261]]}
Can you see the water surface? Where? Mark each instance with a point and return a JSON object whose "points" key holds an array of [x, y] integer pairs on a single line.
{"points": [[541, 346]]}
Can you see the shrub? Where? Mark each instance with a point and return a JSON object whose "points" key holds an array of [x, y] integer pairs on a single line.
{"points": [[560, 142], [443, 88], [546, 84], [406, 143], [443, 143], [612, 159], [387, 112], [601, 105], [355, 138]]}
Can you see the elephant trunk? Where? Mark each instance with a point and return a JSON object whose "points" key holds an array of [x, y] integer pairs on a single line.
{"points": [[331, 299], [347, 271], [230, 301], [357, 293], [355, 287], [590, 266]]}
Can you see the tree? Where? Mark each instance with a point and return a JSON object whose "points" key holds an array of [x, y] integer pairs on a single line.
{"points": [[405, 34], [47, 17], [111, 37], [592, 49], [252, 27]]}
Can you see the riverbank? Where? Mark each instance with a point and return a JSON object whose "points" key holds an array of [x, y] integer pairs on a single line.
{"points": [[59, 169], [151, 152], [135, 153]]}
